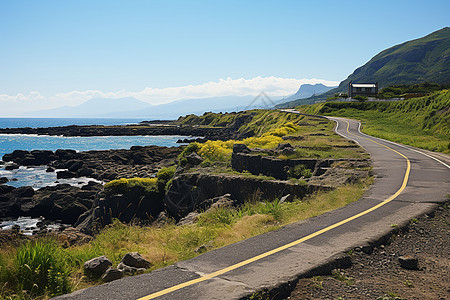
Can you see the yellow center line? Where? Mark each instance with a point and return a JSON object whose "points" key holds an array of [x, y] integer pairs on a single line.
{"points": [[294, 243]]}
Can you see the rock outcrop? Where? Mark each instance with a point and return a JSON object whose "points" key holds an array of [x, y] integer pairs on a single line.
{"points": [[138, 161], [62, 202]]}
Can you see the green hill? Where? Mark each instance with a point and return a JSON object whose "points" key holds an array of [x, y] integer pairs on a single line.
{"points": [[421, 122], [426, 59]]}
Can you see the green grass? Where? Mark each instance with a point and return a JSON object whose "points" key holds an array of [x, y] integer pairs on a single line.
{"points": [[161, 245], [421, 122]]}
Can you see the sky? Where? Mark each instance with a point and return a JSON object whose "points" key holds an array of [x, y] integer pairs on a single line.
{"points": [[55, 53]]}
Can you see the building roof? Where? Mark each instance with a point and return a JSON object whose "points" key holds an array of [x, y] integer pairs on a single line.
{"points": [[364, 85]]}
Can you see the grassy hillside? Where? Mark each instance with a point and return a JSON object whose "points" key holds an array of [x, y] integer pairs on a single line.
{"points": [[421, 122], [426, 59]]}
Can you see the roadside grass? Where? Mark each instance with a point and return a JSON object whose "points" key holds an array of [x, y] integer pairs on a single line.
{"points": [[166, 244], [420, 122]]}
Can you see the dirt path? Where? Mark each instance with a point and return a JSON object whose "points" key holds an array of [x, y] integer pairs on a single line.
{"points": [[379, 276]]}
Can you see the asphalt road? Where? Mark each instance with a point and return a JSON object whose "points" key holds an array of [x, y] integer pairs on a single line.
{"points": [[408, 182]]}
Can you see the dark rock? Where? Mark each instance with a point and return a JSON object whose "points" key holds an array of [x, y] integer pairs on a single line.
{"points": [[3, 180], [191, 191], [409, 262], [285, 148], [269, 166], [15, 156], [194, 159], [97, 266], [62, 201], [12, 167], [135, 260], [4, 189], [293, 137], [240, 148], [74, 165], [23, 192], [65, 174], [64, 154], [50, 169], [112, 274]]}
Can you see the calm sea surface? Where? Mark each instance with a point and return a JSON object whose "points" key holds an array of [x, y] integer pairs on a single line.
{"points": [[9, 143], [52, 122], [37, 177]]}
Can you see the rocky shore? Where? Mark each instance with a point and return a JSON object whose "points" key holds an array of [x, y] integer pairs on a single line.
{"points": [[210, 133], [105, 165], [65, 203]]}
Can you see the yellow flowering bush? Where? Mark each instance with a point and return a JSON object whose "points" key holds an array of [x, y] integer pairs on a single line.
{"points": [[221, 150], [216, 150]]}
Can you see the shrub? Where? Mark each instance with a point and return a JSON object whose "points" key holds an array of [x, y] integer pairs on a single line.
{"points": [[41, 266], [192, 147], [299, 171], [216, 150], [360, 98], [125, 185], [165, 176]]}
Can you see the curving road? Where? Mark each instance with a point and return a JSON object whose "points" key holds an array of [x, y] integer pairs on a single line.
{"points": [[408, 182]]}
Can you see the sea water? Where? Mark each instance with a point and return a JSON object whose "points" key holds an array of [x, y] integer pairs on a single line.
{"points": [[36, 176]]}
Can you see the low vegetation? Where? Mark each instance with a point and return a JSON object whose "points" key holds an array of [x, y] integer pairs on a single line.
{"points": [[44, 267], [421, 122]]}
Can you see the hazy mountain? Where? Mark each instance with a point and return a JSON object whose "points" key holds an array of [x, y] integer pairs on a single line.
{"points": [[426, 59], [133, 108], [97, 107], [308, 90], [177, 108]]}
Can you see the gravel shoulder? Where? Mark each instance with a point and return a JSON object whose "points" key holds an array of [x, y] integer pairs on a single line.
{"points": [[378, 275]]}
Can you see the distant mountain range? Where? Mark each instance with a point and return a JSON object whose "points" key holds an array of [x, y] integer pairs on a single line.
{"points": [[426, 59], [308, 90], [94, 108], [134, 108]]}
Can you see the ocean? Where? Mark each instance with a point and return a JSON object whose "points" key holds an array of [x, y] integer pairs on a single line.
{"points": [[52, 122], [37, 177], [9, 143]]}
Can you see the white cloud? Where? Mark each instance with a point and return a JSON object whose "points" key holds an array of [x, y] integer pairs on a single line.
{"points": [[272, 86]]}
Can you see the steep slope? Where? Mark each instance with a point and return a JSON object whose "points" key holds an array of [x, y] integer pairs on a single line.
{"points": [[426, 59], [422, 60]]}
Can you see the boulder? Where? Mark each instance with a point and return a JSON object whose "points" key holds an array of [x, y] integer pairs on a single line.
{"points": [[97, 266], [194, 159], [240, 148], [23, 192], [112, 274], [285, 148], [3, 180], [65, 174], [50, 169], [135, 260], [191, 218], [219, 202], [129, 270], [409, 262], [13, 166]]}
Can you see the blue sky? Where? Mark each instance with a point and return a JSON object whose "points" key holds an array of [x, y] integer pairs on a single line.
{"points": [[51, 48]]}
